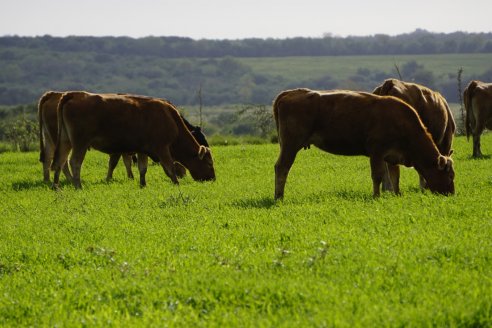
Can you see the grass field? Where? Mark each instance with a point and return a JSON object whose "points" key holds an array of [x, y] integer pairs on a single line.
{"points": [[342, 67], [224, 254]]}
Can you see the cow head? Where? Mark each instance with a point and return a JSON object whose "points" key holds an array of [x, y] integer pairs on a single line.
{"points": [[201, 166], [441, 179]]}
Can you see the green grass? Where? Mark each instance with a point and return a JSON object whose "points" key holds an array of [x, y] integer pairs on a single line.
{"points": [[342, 67], [224, 254]]}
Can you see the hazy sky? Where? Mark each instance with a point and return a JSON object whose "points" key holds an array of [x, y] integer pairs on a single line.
{"points": [[233, 19]]}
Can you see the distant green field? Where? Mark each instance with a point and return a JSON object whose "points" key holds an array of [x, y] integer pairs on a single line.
{"points": [[345, 66], [223, 254]]}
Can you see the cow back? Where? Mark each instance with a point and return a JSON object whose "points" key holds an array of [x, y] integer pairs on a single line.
{"points": [[431, 107]]}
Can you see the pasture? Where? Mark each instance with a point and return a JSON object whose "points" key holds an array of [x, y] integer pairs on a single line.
{"points": [[224, 254], [343, 67]]}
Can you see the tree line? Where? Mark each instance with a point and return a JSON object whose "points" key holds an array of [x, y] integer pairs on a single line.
{"points": [[417, 42]]}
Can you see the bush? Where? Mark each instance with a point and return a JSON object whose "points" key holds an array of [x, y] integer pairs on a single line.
{"points": [[229, 140], [22, 133]]}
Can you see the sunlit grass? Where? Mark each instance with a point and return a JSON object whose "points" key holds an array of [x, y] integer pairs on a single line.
{"points": [[225, 254]]}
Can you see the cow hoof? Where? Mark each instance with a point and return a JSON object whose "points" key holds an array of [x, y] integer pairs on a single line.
{"points": [[278, 198]]}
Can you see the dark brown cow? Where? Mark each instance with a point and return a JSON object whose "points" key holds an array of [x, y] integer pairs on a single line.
{"points": [[434, 112], [384, 128], [478, 105], [48, 129], [126, 124]]}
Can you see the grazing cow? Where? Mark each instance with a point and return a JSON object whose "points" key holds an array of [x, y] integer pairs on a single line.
{"points": [[196, 132], [48, 130], [434, 112], [478, 105], [384, 128], [127, 124], [48, 127]]}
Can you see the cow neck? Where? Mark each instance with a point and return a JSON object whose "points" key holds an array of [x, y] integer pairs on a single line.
{"points": [[424, 151], [186, 146]]}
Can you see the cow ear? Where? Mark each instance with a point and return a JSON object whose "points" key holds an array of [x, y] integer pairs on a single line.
{"points": [[449, 164], [451, 151], [444, 163], [441, 162], [202, 151]]}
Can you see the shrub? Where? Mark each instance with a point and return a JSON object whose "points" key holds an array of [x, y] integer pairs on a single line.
{"points": [[22, 133]]}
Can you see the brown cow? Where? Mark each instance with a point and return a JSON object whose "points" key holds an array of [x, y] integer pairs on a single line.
{"points": [[126, 124], [434, 112], [384, 128], [478, 105], [48, 130], [48, 127]]}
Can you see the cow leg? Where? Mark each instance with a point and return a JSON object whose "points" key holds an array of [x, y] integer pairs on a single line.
{"points": [[76, 160], [60, 161], [282, 167], [180, 170], [48, 157], [113, 161], [142, 161], [127, 160], [387, 185], [167, 164], [423, 182], [377, 172], [477, 132], [391, 178], [66, 172], [477, 152]]}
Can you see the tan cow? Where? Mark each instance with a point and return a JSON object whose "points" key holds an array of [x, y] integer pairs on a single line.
{"points": [[126, 124], [478, 105], [384, 128], [434, 112], [48, 129]]}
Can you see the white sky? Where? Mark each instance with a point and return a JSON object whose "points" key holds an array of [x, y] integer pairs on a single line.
{"points": [[238, 19]]}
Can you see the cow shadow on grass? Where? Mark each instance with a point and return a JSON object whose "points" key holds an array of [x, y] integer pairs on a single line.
{"points": [[28, 185], [330, 195], [258, 202], [483, 157]]}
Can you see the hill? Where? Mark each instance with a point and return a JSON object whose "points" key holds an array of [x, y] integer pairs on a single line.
{"points": [[238, 71]]}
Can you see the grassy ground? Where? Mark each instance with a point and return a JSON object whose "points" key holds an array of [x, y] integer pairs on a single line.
{"points": [[342, 67], [224, 254]]}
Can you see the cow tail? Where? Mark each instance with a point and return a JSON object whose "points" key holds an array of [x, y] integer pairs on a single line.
{"points": [[61, 126], [467, 99], [41, 102], [276, 103]]}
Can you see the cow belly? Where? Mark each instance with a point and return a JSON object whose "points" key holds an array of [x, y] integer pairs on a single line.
{"points": [[115, 146], [339, 146]]}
